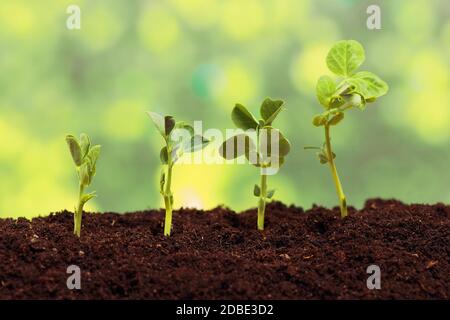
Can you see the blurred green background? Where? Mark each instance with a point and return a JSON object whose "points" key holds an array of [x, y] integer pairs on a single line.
{"points": [[195, 59]]}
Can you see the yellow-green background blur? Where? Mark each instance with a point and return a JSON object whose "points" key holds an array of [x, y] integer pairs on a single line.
{"points": [[195, 59]]}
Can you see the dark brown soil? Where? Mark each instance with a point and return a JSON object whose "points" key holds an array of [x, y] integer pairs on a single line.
{"points": [[220, 255]]}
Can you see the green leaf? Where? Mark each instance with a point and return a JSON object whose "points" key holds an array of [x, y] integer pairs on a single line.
{"points": [[345, 57], [236, 146], [369, 85], [196, 143], [163, 156], [185, 126], [85, 173], [336, 119], [169, 124], [242, 118], [270, 140], [93, 155], [322, 158], [159, 122], [270, 194], [325, 90], [256, 191], [86, 197], [75, 150], [270, 110], [276, 162], [336, 102], [85, 144], [319, 120]]}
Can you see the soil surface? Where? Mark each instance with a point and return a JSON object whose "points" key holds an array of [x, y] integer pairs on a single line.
{"points": [[219, 254]]}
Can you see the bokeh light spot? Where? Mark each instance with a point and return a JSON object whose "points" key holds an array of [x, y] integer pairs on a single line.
{"points": [[126, 119], [308, 66], [158, 29], [208, 80], [242, 19]]}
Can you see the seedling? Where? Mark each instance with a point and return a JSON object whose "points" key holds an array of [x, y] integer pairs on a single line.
{"points": [[179, 138], [85, 158], [350, 89], [264, 146]]}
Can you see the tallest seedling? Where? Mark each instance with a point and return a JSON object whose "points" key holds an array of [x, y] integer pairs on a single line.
{"points": [[350, 89]]}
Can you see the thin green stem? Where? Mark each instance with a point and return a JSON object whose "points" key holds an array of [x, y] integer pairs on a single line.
{"points": [[337, 182], [262, 202], [78, 214], [168, 198]]}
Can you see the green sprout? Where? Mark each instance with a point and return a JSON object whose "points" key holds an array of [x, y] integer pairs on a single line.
{"points": [[264, 146], [179, 138], [85, 158], [349, 90]]}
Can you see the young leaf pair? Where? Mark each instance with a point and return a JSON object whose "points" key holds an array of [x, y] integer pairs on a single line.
{"points": [[264, 146], [178, 138], [85, 157], [350, 90]]}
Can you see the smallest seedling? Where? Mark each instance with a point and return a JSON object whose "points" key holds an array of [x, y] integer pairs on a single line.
{"points": [[85, 158]]}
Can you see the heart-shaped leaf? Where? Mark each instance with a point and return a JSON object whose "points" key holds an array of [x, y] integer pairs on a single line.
{"points": [[242, 118], [273, 143], [236, 146], [345, 57], [368, 85], [325, 89], [270, 109]]}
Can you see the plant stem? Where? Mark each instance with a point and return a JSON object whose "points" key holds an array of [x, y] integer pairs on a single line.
{"points": [[337, 182], [78, 214], [262, 202], [168, 199], [168, 219]]}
